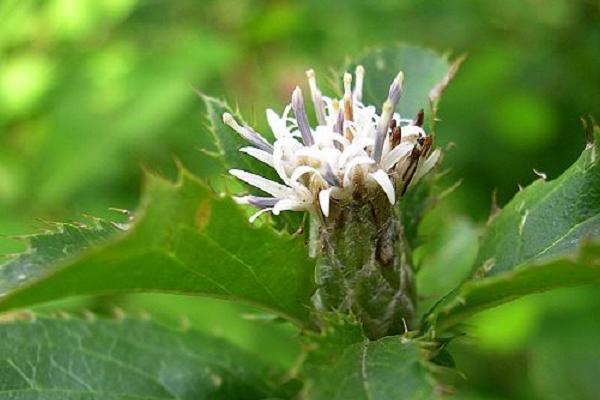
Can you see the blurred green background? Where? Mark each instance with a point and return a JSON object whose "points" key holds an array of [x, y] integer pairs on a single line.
{"points": [[94, 92]]}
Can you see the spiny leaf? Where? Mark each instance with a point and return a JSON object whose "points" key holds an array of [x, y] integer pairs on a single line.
{"points": [[477, 295], [537, 242], [547, 218], [389, 368], [423, 69], [226, 142], [127, 359], [186, 239], [341, 363], [61, 242]]}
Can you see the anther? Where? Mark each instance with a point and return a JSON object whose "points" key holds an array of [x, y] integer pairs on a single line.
{"points": [[348, 113], [419, 119], [386, 114], [358, 86], [301, 118], [316, 97]]}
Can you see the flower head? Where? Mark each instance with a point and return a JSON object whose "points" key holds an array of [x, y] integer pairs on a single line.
{"points": [[352, 152]]}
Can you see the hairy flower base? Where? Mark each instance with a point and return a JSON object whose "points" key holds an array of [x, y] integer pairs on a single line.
{"points": [[364, 267]]}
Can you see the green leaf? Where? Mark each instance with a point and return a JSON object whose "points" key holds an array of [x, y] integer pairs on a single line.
{"points": [[477, 295], [426, 73], [547, 218], [537, 242], [63, 241], [186, 239], [127, 359], [223, 147], [389, 368], [224, 143]]}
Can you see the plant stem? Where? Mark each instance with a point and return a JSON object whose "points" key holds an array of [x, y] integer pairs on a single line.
{"points": [[364, 267]]}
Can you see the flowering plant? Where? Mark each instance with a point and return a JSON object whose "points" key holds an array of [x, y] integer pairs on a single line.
{"points": [[344, 276]]}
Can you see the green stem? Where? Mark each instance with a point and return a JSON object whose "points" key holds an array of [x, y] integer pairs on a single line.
{"points": [[364, 267]]}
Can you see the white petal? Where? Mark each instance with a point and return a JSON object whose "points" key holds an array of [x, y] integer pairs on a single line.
{"points": [[395, 155], [286, 204], [277, 124], [278, 164], [428, 164], [264, 184], [304, 169], [386, 184], [310, 152], [356, 149], [324, 198], [241, 200], [412, 130], [352, 164], [258, 214], [259, 154]]}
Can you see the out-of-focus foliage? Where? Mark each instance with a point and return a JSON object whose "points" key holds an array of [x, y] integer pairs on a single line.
{"points": [[91, 92]]}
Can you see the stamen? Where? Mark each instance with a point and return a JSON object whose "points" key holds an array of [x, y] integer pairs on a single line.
{"points": [[301, 118], [408, 175], [338, 126], [419, 119], [396, 89], [262, 202], [358, 86], [339, 123], [386, 115], [248, 134], [316, 96], [348, 113], [330, 176], [396, 136], [427, 143]]}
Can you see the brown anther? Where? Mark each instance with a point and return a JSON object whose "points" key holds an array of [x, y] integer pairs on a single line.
{"points": [[420, 118], [414, 158], [348, 113], [348, 134], [393, 125], [427, 143], [411, 169], [396, 136]]}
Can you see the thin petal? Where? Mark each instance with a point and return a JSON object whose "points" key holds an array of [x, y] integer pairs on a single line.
{"points": [[390, 159], [428, 165], [301, 118], [258, 214], [264, 184], [359, 73], [324, 200], [258, 201], [330, 176], [285, 205], [352, 164], [247, 133], [277, 124], [304, 169], [259, 154], [386, 184], [316, 96]]}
